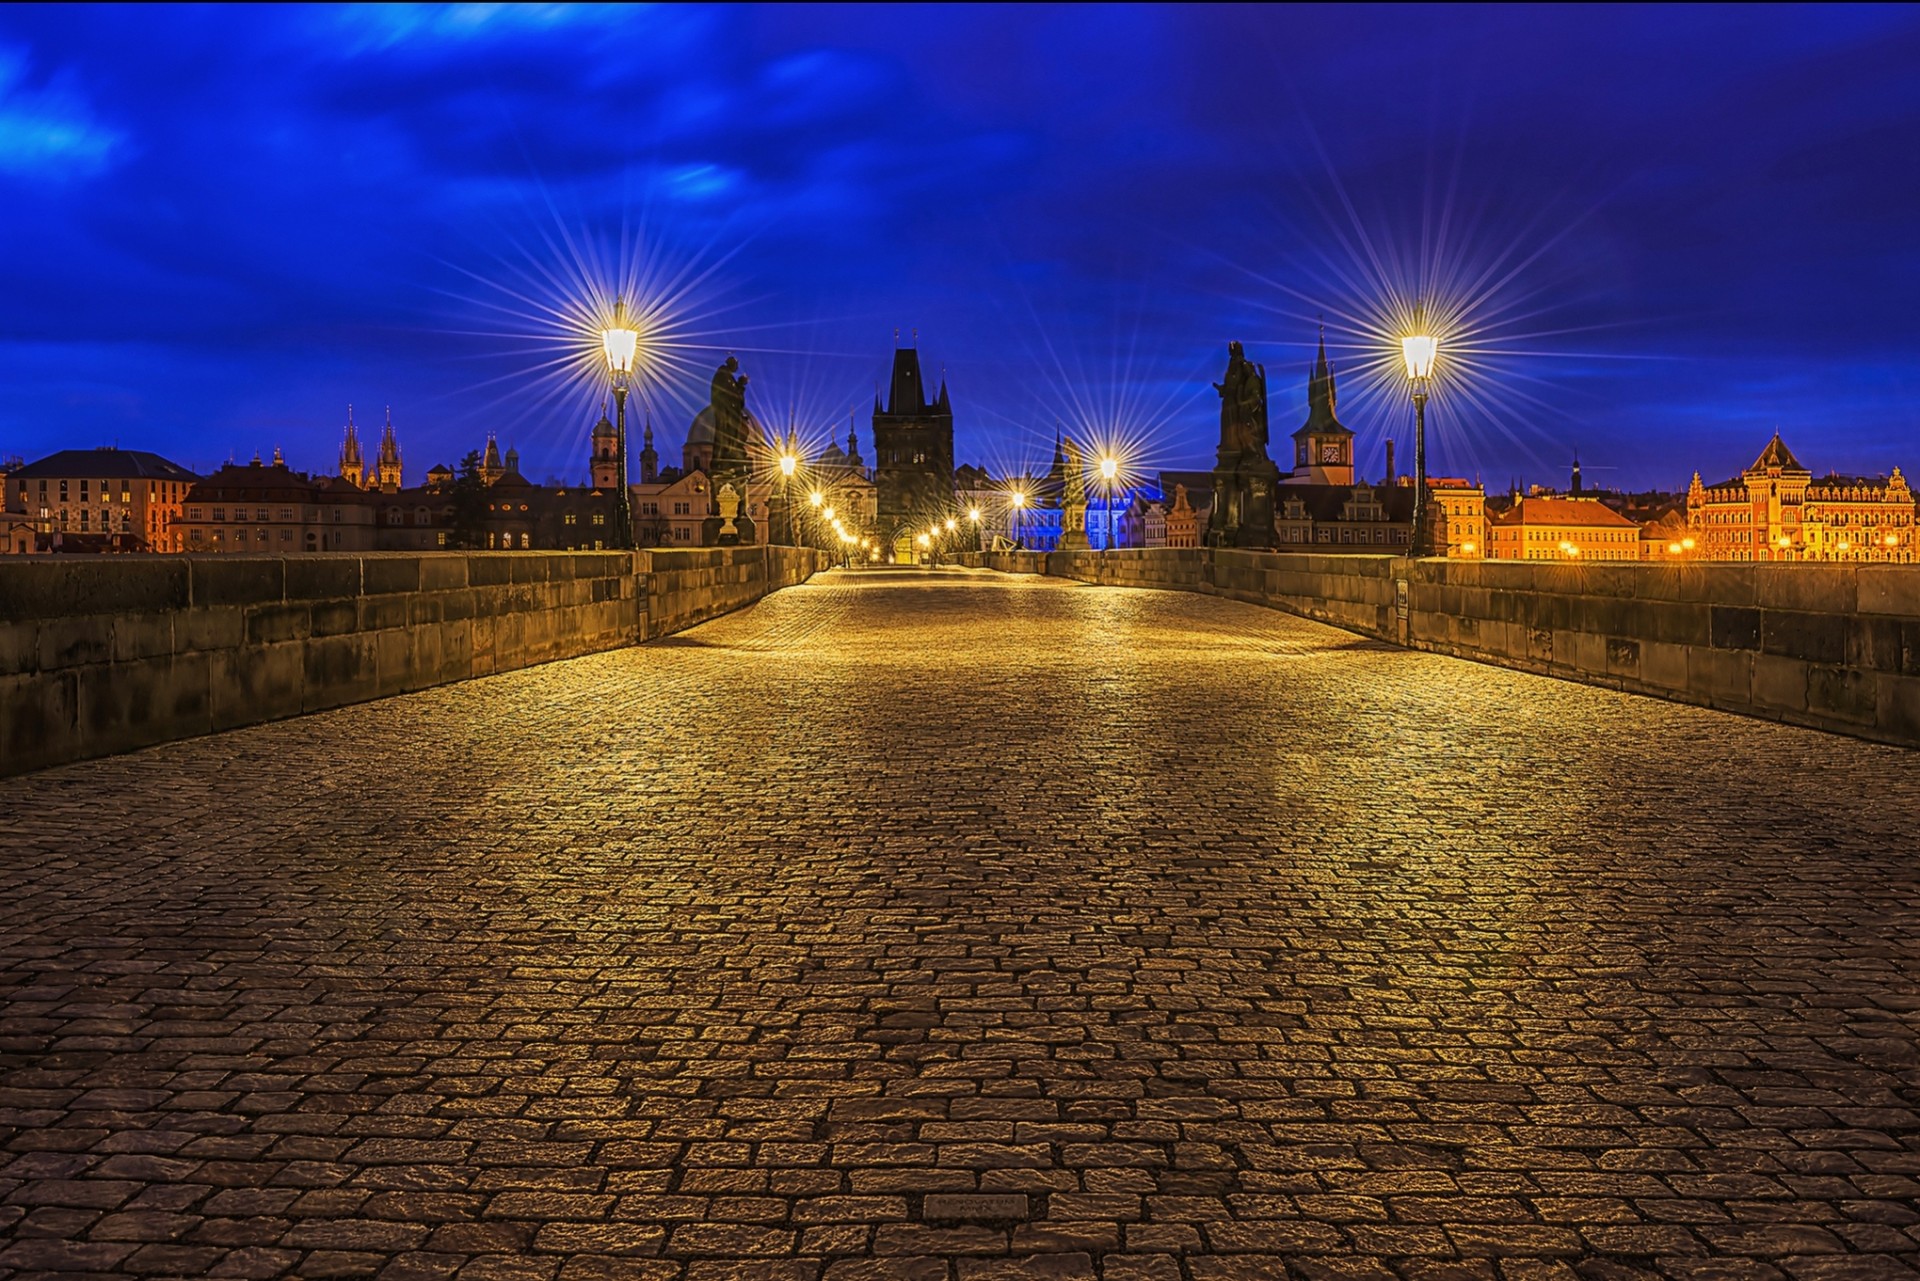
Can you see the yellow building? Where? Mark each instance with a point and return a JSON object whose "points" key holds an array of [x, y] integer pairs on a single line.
{"points": [[1572, 529], [1776, 511], [1459, 514]]}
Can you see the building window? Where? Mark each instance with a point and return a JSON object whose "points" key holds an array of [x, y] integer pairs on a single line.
{"points": [[599, 518]]}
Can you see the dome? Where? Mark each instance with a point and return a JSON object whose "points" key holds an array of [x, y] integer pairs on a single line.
{"points": [[700, 431]]}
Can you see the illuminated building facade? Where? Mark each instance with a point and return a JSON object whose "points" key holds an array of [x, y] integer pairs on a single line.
{"points": [[1584, 529], [1776, 510], [1459, 508], [123, 500]]}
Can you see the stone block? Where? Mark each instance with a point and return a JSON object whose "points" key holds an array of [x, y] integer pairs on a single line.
{"points": [[256, 683], [71, 586], [1583, 651], [333, 617], [137, 636], [1814, 589], [1623, 658], [445, 571], [237, 580], [1898, 704], [1732, 627], [19, 647], [337, 670], [1664, 665], [1814, 638], [38, 720], [379, 613], [1873, 642], [73, 642], [1722, 677], [488, 569], [393, 661], [389, 572], [206, 629], [1779, 684], [1671, 622], [267, 624], [322, 577], [1888, 589], [1539, 646], [122, 706], [1842, 694]]}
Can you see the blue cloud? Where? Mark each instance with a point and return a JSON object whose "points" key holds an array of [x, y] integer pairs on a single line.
{"points": [[48, 132]]}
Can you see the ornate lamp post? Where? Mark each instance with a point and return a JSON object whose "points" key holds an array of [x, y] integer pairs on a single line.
{"points": [[621, 341], [1019, 510], [1109, 468], [1418, 349], [788, 463]]}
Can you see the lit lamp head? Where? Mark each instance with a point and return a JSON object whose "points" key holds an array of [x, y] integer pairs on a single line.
{"points": [[973, 514], [827, 514], [1019, 499], [620, 341], [787, 463], [1418, 349], [1109, 468], [816, 498], [949, 524]]}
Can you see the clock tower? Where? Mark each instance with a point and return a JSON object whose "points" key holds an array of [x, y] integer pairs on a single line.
{"points": [[1322, 448]]}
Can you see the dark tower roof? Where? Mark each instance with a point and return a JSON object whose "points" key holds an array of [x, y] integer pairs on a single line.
{"points": [[1776, 454], [1321, 397], [907, 394]]}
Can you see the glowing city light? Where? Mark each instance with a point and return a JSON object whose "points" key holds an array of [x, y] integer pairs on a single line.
{"points": [[620, 341], [787, 464], [973, 514], [1673, 549], [816, 498], [1109, 468], [1418, 351]]}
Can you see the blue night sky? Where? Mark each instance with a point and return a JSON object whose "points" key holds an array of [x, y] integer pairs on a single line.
{"points": [[1666, 231]]}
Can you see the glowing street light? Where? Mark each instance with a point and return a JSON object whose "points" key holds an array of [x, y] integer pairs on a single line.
{"points": [[816, 498], [621, 342], [1109, 468], [1419, 349]]}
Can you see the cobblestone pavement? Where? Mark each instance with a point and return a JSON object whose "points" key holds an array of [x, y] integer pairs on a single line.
{"points": [[972, 928]]}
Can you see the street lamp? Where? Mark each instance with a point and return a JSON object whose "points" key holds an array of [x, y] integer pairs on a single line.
{"points": [[979, 542], [1019, 510], [1109, 468], [1418, 350], [620, 342]]}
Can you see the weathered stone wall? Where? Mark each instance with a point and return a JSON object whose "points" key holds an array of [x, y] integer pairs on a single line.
{"points": [[101, 655], [687, 587], [1830, 646]]}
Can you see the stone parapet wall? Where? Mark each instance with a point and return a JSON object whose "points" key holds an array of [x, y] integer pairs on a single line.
{"points": [[102, 655], [688, 587], [1835, 647]]}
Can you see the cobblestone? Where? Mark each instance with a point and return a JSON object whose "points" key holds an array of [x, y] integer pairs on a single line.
{"points": [[952, 926]]}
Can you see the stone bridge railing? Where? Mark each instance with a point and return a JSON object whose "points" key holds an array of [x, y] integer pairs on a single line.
{"points": [[103, 654], [1836, 647]]}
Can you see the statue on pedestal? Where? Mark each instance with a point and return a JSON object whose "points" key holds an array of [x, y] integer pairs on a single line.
{"points": [[730, 470], [1244, 478], [1073, 502]]}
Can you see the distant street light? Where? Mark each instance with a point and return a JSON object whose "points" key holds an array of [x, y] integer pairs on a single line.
{"points": [[620, 341], [1419, 349], [1109, 468]]}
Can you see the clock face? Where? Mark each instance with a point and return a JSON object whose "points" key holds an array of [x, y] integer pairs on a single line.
{"points": [[1329, 453]]}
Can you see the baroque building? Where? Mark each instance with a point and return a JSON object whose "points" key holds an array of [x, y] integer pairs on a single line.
{"points": [[1539, 528], [1776, 510]]}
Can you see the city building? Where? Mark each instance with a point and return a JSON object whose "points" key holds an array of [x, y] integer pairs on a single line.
{"points": [[95, 500], [668, 513], [912, 449], [1584, 529], [270, 508], [1186, 526], [1458, 508], [1776, 510]]}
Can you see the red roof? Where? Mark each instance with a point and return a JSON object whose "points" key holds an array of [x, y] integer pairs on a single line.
{"points": [[1564, 512]]}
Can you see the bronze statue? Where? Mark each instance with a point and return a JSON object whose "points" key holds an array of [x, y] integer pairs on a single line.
{"points": [[1244, 477]]}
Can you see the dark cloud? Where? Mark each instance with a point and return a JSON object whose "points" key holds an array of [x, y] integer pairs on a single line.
{"points": [[224, 224]]}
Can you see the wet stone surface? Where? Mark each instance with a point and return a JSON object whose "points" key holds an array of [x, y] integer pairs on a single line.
{"points": [[961, 927]]}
